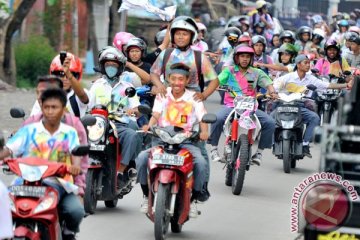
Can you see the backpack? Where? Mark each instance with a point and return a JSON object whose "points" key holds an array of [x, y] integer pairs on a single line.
{"points": [[197, 55]]}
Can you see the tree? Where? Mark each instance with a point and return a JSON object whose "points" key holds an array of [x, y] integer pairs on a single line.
{"points": [[9, 24]]}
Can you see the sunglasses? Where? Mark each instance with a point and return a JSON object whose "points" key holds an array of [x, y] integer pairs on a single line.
{"points": [[232, 38], [62, 74]]}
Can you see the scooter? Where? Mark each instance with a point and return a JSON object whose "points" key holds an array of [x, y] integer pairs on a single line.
{"points": [[171, 181], [241, 129], [289, 128], [104, 159], [33, 203], [327, 100]]}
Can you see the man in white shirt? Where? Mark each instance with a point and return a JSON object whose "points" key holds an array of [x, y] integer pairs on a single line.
{"points": [[301, 78]]}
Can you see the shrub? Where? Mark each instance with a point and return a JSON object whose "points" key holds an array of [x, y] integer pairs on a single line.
{"points": [[33, 59]]}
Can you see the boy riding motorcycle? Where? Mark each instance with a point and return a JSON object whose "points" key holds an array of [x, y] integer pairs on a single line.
{"points": [[178, 108], [50, 139], [243, 79]]}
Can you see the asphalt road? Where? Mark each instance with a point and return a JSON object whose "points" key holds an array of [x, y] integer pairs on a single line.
{"points": [[262, 211]]}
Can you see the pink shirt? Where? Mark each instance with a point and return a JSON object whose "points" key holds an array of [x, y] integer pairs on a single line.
{"points": [[326, 68]]}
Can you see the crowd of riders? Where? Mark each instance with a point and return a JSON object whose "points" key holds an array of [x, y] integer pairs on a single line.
{"points": [[182, 73]]}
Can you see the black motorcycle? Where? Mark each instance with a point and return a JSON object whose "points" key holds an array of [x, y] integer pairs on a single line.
{"points": [[289, 128], [327, 100]]}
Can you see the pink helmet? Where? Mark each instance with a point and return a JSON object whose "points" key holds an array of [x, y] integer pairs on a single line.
{"points": [[244, 48], [201, 26], [121, 39], [354, 29]]}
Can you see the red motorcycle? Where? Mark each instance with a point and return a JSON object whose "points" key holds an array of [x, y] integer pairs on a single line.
{"points": [[171, 181], [33, 203], [105, 157]]}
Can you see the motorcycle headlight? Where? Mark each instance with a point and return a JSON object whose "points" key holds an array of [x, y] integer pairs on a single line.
{"points": [[165, 136], [97, 131], [46, 203], [287, 124]]}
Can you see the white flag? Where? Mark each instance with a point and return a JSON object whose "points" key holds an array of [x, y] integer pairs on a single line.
{"points": [[166, 15]]}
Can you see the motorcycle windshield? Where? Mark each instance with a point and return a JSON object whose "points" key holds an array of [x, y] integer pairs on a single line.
{"points": [[32, 173]]}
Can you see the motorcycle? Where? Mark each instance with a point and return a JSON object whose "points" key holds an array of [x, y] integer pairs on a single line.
{"points": [[171, 180], [241, 129], [33, 203], [327, 100], [105, 157], [289, 128]]}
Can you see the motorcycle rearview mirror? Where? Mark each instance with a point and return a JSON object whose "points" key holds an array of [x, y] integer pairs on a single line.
{"points": [[88, 120], [209, 118], [17, 113], [311, 87], [347, 73], [144, 109], [315, 70], [130, 92], [331, 75], [81, 150]]}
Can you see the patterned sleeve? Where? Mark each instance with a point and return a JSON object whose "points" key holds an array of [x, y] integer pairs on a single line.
{"points": [[263, 80], [17, 142], [319, 64], [207, 69], [73, 139], [157, 66], [224, 76]]}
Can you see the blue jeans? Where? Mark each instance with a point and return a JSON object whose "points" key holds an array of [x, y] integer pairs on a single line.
{"points": [[200, 166], [266, 122], [312, 120]]}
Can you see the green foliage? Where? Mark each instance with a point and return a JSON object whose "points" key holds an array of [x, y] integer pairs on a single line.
{"points": [[4, 6], [33, 59]]}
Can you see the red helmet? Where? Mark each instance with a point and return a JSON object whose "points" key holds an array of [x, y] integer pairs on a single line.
{"points": [[56, 68]]}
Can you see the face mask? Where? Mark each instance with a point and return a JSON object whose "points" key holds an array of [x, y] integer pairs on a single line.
{"points": [[111, 71]]}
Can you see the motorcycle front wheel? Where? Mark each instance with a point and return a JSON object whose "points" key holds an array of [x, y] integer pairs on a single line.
{"points": [[162, 205], [286, 156], [90, 198], [240, 158]]}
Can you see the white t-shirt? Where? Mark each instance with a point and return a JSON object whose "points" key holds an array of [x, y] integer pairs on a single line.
{"points": [[5, 216], [82, 106]]}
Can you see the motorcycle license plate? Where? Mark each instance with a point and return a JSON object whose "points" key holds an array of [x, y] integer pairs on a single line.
{"points": [[288, 109], [27, 191], [168, 159], [245, 106], [97, 147]]}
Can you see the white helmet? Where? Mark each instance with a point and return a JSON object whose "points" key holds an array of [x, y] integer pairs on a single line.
{"points": [[136, 42], [319, 32], [186, 23], [110, 53], [260, 4]]}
